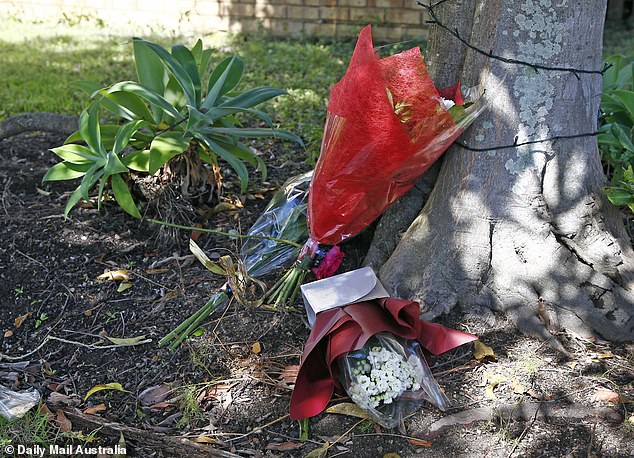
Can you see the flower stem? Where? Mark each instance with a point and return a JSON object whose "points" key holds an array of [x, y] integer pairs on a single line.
{"points": [[187, 327]]}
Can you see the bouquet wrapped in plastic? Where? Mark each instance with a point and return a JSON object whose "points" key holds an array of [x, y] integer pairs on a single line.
{"points": [[386, 125], [373, 350], [266, 249], [283, 218], [389, 378]]}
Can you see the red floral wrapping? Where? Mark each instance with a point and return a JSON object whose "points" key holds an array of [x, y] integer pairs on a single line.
{"points": [[384, 128], [340, 330]]}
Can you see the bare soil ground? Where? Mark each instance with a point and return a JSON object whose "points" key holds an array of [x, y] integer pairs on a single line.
{"points": [[226, 392]]}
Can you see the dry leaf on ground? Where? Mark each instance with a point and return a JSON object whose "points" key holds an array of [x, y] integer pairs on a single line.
{"points": [[348, 408], [126, 341], [21, 319], [64, 423], [320, 452], [96, 409], [607, 395], [419, 442], [481, 351], [115, 275], [154, 394], [285, 446]]}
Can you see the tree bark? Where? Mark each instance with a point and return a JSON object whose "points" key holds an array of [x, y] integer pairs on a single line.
{"points": [[514, 228]]}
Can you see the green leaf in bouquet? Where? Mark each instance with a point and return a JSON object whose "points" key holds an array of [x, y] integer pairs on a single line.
{"points": [[204, 259]]}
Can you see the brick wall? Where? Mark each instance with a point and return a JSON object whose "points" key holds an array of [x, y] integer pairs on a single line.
{"points": [[392, 19]]}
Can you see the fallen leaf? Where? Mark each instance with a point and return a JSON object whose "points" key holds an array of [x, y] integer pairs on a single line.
{"points": [[64, 423], [42, 192], [8, 333], [105, 386], [96, 409], [156, 271], [126, 341], [320, 452], [631, 420], [162, 405], [45, 411], [285, 446], [493, 380], [115, 275], [256, 348], [124, 286], [606, 395], [154, 394], [21, 319], [482, 351], [348, 408], [391, 455], [57, 400], [204, 259], [419, 442], [202, 439], [518, 388]]}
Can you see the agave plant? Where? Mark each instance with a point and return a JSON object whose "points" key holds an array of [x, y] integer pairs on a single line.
{"points": [[169, 129]]}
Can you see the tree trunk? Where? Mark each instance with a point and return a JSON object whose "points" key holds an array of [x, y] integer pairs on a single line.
{"points": [[524, 229]]}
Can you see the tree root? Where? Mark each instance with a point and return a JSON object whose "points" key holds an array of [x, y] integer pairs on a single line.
{"points": [[38, 122], [526, 412]]}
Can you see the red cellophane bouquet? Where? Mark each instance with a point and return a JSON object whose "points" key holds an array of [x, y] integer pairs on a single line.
{"points": [[386, 125]]}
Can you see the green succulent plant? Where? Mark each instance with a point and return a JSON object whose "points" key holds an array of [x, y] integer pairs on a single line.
{"points": [[616, 138], [180, 108]]}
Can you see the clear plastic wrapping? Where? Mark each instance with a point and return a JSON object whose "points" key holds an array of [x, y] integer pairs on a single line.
{"points": [[389, 378], [283, 218], [15, 404]]}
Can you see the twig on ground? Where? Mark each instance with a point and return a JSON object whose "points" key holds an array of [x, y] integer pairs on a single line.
{"points": [[526, 428], [71, 342], [259, 429], [175, 257]]}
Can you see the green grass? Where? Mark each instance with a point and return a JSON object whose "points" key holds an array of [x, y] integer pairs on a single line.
{"points": [[33, 429]]}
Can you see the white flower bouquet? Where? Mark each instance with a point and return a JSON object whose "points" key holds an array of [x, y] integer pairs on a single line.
{"points": [[389, 378]]}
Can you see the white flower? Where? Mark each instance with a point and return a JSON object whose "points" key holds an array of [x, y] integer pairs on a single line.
{"points": [[382, 377], [447, 103]]}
